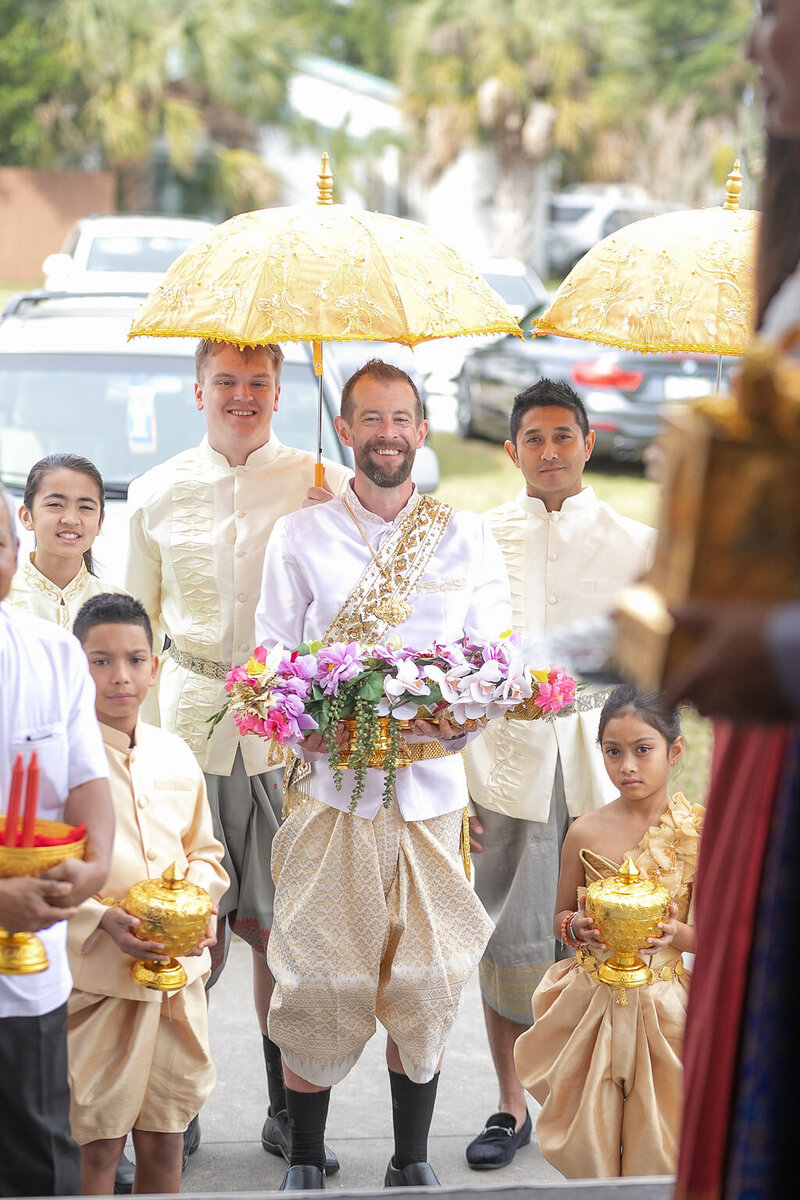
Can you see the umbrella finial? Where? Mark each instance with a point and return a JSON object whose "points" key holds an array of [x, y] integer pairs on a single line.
{"points": [[733, 188], [325, 182]]}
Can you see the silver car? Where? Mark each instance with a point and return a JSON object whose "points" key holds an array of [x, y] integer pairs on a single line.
{"points": [[70, 381]]}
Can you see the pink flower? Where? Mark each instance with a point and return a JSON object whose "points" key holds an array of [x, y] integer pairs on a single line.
{"points": [[556, 693], [336, 664], [240, 675]]}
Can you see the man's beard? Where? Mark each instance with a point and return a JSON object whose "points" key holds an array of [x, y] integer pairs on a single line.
{"points": [[396, 470]]}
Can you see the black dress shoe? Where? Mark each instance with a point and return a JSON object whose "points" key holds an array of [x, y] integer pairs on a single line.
{"points": [[276, 1139], [498, 1142], [419, 1174], [123, 1180], [303, 1178], [191, 1139]]}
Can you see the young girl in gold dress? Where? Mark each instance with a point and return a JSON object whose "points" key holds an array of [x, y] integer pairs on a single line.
{"points": [[605, 1064]]}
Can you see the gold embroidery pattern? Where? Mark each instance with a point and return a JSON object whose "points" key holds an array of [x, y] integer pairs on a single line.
{"points": [[454, 584], [401, 561], [346, 889], [192, 551]]}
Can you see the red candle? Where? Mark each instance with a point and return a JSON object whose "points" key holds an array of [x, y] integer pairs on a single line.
{"points": [[31, 796], [12, 816]]}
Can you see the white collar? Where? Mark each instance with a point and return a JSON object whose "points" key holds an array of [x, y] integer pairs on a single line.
{"points": [[354, 504], [257, 458], [582, 501]]}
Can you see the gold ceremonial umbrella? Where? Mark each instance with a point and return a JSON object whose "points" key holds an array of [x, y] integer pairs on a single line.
{"points": [[679, 281], [322, 272]]}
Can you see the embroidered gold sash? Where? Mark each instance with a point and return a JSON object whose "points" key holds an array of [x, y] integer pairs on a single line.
{"points": [[401, 561]]}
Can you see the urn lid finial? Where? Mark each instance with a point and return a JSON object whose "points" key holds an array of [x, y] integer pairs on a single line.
{"points": [[629, 870], [173, 876]]}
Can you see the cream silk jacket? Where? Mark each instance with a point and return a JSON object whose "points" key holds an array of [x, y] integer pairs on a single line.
{"points": [[35, 593], [198, 529], [563, 566], [162, 816]]}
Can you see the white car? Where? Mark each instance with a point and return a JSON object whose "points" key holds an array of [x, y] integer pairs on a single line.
{"points": [[580, 217], [120, 253], [71, 382]]}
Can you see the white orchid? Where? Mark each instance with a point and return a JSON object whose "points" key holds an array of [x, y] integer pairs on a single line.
{"points": [[407, 681]]}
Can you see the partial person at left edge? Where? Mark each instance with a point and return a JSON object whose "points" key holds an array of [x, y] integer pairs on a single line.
{"points": [[46, 704]]}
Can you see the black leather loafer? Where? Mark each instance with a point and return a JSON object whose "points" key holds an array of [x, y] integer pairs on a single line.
{"points": [[419, 1174], [303, 1178], [276, 1139], [498, 1142]]}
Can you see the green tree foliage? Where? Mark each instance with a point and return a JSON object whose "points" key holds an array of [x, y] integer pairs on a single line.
{"points": [[119, 79], [361, 33], [694, 50], [31, 73], [527, 76]]}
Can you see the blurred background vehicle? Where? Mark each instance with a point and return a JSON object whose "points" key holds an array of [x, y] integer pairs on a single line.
{"points": [[624, 393], [440, 362], [70, 381], [579, 217], [120, 253]]}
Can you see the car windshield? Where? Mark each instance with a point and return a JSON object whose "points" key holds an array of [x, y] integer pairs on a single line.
{"points": [[135, 253], [515, 289], [126, 413], [567, 214]]}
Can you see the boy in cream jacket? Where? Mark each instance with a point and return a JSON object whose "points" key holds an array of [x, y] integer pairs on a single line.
{"points": [[139, 1059]]}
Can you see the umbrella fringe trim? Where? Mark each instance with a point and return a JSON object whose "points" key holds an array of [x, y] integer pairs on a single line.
{"points": [[541, 327], [214, 335]]}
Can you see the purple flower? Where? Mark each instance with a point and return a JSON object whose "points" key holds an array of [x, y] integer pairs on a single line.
{"points": [[336, 664]]}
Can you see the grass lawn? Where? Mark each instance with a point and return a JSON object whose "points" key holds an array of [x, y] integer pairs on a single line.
{"points": [[478, 475]]}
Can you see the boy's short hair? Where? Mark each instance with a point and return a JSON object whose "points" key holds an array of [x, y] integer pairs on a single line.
{"points": [[111, 608], [548, 393], [207, 347]]}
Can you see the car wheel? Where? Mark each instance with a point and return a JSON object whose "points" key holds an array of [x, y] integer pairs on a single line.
{"points": [[464, 408]]}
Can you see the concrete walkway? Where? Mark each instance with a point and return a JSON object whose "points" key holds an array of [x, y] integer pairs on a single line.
{"points": [[230, 1157]]}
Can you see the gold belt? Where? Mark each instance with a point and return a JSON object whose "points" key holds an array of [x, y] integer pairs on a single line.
{"points": [[419, 751], [199, 666], [585, 959]]}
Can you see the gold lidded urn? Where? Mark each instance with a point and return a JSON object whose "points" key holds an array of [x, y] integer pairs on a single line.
{"points": [[23, 953], [171, 910], [626, 910]]}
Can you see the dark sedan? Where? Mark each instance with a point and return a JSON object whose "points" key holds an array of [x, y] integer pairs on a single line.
{"points": [[624, 393]]}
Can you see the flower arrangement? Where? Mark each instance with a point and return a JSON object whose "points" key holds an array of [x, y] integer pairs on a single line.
{"points": [[283, 694]]}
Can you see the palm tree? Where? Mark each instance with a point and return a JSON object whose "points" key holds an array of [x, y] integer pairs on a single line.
{"points": [[524, 77], [194, 79]]}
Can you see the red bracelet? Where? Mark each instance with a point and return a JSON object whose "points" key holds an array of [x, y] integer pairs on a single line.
{"points": [[567, 936]]}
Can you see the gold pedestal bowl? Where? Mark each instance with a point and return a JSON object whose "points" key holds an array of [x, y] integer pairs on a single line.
{"points": [[626, 909], [23, 953], [380, 747], [171, 910]]}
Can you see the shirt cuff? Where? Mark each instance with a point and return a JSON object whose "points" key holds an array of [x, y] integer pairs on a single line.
{"points": [[782, 636]]}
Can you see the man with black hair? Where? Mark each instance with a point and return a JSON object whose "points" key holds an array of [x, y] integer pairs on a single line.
{"points": [[567, 555]]}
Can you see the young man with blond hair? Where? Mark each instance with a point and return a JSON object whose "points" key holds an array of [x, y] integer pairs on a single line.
{"points": [[199, 524]]}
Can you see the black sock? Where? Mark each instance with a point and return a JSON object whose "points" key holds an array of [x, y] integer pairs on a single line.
{"points": [[275, 1084], [308, 1112], [412, 1113]]}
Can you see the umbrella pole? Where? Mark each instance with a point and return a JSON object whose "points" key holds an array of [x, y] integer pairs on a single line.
{"points": [[719, 375], [319, 469]]}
